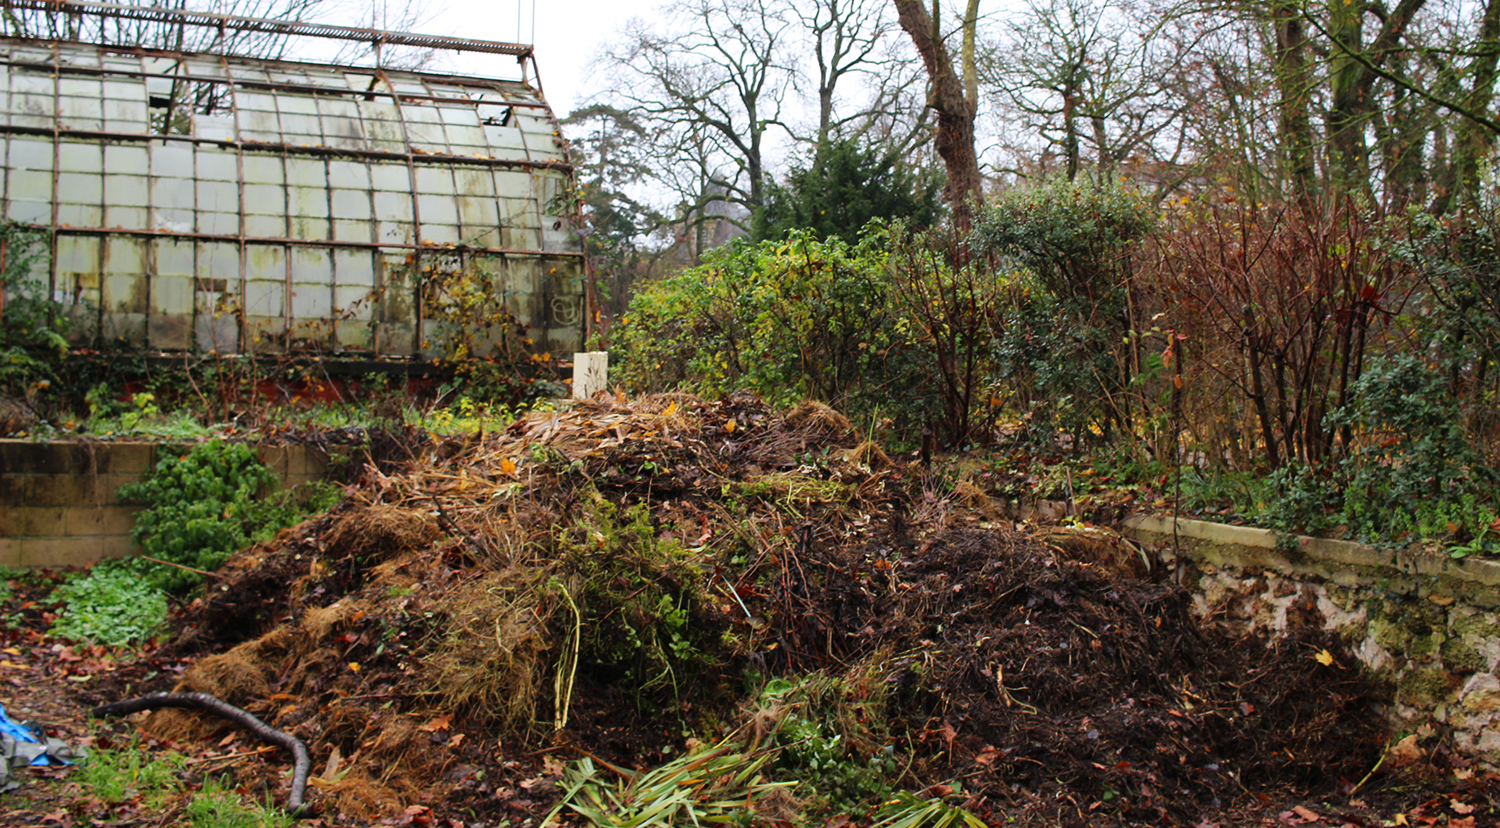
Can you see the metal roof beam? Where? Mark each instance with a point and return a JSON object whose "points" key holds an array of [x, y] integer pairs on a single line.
{"points": [[261, 24]]}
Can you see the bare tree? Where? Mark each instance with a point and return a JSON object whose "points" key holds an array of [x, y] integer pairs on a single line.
{"points": [[1096, 79], [712, 86], [954, 98]]}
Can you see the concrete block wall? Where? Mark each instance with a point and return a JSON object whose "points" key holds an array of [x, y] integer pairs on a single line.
{"points": [[59, 502]]}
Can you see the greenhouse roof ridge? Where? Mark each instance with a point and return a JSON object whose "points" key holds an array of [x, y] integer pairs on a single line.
{"points": [[258, 24]]}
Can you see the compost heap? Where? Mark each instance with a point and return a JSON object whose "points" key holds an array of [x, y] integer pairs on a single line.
{"points": [[615, 578]]}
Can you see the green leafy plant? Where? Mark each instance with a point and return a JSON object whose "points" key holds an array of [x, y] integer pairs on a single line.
{"points": [[140, 417], [644, 613], [828, 735], [906, 810], [111, 605], [33, 333], [199, 510]]}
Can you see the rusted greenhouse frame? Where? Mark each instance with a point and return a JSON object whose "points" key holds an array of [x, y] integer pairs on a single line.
{"points": [[219, 203]]}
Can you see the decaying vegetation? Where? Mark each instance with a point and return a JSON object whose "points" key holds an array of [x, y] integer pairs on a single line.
{"points": [[582, 613]]}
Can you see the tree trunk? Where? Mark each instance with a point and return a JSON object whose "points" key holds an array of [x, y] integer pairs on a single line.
{"points": [[955, 109], [1294, 88], [1472, 140]]}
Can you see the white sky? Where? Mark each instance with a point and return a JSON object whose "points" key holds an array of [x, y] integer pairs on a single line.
{"points": [[568, 34]]}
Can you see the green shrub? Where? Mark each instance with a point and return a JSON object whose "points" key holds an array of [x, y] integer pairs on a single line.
{"points": [[1059, 344], [788, 320], [203, 506], [32, 333], [643, 614]]}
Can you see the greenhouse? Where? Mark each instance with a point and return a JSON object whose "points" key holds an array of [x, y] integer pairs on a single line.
{"points": [[231, 205]]}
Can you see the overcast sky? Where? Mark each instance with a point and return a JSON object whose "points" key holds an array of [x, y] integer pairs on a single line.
{"points": [[568, 34]]}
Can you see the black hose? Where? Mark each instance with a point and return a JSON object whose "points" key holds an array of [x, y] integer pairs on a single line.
{"points": [[302, 762]]}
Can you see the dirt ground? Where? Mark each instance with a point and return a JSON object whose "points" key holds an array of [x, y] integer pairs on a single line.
{"points": [[625, 579]]}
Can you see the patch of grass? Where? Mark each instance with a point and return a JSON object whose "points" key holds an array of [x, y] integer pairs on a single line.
{"points": [[216, 807], [160, 783]]}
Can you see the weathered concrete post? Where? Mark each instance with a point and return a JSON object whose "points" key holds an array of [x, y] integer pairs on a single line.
{"points": [[590, 373]]}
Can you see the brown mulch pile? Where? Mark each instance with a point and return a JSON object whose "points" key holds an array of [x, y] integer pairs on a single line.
{"points": [[455, 629]]}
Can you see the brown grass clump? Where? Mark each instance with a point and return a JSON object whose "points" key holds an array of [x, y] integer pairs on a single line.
{"points": [[361, 796], [242, 676], [381, 531], [494, 651], [1094, 546], [871, 456], [816, 422]]}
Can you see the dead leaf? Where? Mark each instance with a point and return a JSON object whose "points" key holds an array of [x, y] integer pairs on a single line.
{"points": [[1306, 815], [1461, 807], [1401, 819], [440, 723], [331, 769]]}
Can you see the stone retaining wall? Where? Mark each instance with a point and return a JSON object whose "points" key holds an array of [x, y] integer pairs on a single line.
{"points": [[1422, 621], [59, 504]]}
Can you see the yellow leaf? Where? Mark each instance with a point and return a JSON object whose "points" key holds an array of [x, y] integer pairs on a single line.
{"points": [[669, 410], [1401, 819], [1324, 658], [507, 467], [729, 426], [354, 666]]}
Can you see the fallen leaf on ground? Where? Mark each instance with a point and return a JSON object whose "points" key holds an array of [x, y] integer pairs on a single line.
{"points": [[440, 723]]}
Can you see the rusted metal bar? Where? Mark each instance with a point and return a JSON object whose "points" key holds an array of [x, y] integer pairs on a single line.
{"points": [[284, 86], [52, 285], [352, 245], [242, 329], [268, 26], [436, 159]]}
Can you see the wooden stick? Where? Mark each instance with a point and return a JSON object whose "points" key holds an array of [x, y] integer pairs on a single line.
{"points": [[169, 563]]}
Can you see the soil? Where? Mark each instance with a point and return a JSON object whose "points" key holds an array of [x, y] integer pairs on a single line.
{"points": [[622, 580]]}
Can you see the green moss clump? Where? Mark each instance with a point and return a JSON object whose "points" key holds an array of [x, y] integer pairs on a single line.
{"points": [[1459, 657], [1423, 688], [1481, 624]]}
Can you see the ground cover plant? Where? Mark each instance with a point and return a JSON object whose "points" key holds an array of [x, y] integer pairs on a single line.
{"points": [[660, 607]]}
